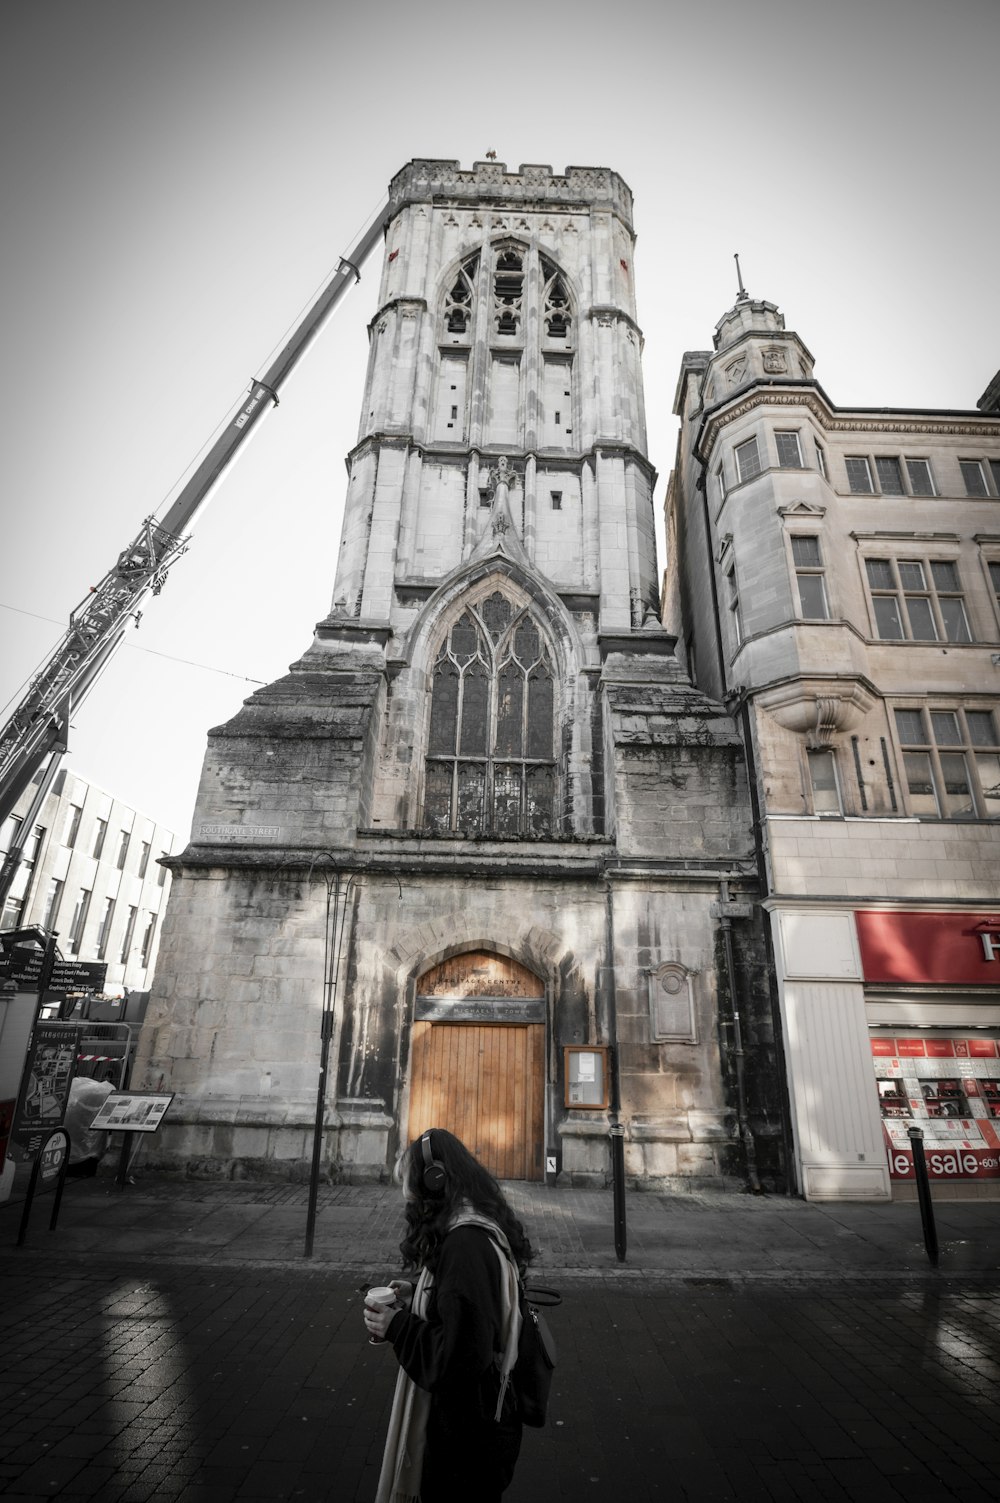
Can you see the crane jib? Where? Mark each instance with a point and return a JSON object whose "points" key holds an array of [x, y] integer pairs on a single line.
{"points": [[37, 730], [248, 408]]}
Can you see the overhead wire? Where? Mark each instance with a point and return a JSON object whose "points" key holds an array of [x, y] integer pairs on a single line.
{"points": [[133, 647]]}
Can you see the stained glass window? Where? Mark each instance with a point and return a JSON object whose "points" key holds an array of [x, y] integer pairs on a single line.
{"points": [[490, 750]]}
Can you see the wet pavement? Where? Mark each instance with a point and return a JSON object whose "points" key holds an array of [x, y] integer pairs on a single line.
{"points": [[168, 1343]]}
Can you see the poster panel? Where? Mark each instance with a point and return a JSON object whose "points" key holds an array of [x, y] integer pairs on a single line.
{"points": [[948, 1086], [48, 1075]]}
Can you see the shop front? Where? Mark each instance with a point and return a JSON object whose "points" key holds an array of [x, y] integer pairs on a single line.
{"points": [[891, 1019], [932, 1002]]}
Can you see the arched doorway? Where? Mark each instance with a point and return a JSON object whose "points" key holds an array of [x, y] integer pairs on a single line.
{"points": [[477, 1060]]}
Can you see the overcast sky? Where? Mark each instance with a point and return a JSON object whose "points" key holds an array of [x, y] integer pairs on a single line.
{"points": [[178, 179]]}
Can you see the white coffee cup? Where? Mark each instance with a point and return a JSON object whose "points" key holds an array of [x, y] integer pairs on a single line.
{"points": [[382, 1298]]}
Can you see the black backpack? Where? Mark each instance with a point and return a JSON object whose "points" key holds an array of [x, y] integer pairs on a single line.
{"points": [[536, 1356]]}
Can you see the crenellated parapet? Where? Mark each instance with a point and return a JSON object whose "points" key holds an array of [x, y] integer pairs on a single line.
{"points": [[531, 186]]}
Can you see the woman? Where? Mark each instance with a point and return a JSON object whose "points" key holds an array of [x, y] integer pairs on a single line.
{"points": [[454, 1433]]}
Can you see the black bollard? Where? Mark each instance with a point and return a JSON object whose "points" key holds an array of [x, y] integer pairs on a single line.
{"points": [[916, 1138]]}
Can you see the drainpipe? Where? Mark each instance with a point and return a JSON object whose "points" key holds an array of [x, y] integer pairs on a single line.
{"points": [[616, 1130], [787, 1143], [746, 1136], [758, 835]]}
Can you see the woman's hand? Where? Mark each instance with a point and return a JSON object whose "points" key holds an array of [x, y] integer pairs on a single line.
{"points": [[377, 1319], [404, 1292]]}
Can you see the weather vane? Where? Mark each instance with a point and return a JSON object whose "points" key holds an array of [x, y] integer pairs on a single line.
{"points": [[739, 278]]}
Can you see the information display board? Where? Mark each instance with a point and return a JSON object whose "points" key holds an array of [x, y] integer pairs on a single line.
{"points": [[586, 1076], [127, 1111], [948, 1085]]}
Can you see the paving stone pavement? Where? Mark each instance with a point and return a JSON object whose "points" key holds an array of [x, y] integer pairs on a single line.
{"points": [[217, 1384], [168, 1343], [711, 1233]]}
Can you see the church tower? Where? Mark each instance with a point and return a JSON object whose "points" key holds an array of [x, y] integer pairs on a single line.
{"points": [[485, 822]]}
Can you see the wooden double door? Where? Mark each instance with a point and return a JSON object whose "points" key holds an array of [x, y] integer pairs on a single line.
{"points": [[485, 1083]]}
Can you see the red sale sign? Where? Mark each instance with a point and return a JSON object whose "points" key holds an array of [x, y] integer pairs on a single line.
{"points": [[947, 1163]]}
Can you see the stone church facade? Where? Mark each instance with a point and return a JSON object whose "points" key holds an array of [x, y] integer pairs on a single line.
{"points": [[485, 826]]}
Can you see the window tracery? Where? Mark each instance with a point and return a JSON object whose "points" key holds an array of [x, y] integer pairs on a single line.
{"points": [[458, 299], [555, 303], [509, 274], [490, 754], [508, 290]]}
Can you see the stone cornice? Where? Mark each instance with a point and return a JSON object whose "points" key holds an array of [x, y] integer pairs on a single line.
{"points": [[548, 461], [611, 313], [810, 394], [796, 900], [414, 304], [607, 448], [641, 642], [411, 853], [533, 186]]}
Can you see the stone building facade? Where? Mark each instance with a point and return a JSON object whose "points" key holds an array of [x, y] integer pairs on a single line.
{"points": [[92, 872], [486, 819], [835, 580]]}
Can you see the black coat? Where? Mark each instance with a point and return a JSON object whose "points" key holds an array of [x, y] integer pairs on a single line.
{"points": [[451, 1353]]}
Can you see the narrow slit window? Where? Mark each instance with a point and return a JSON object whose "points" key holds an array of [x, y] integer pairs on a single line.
{"points": [[810, 578], [823, 778]]}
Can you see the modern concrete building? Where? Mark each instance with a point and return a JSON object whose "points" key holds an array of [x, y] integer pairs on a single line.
{"points": [[484, 841], [91, 872], [834, 577]]}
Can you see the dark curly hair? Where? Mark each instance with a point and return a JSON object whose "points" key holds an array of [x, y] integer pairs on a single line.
{"points": [[428, 1213]]}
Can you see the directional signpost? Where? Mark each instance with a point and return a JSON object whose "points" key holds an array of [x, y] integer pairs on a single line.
{"points": [[26, 967]]}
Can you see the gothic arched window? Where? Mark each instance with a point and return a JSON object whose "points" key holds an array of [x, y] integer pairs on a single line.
{"points": [[508, 289], [555, 303], [490, 751], [458, 299]]}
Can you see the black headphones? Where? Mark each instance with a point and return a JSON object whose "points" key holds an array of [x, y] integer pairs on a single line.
{"points": [[435, 1175]]}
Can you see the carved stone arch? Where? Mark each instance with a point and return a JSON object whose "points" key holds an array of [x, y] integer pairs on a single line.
{"points": [[424, 635], [473, 1059], [488, 970], [418, 948]]}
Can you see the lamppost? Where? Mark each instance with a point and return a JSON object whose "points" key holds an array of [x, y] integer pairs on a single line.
{"points": [[335, 923]]}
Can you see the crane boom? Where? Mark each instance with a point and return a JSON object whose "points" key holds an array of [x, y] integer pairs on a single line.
{"points": [[38, 728]]}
